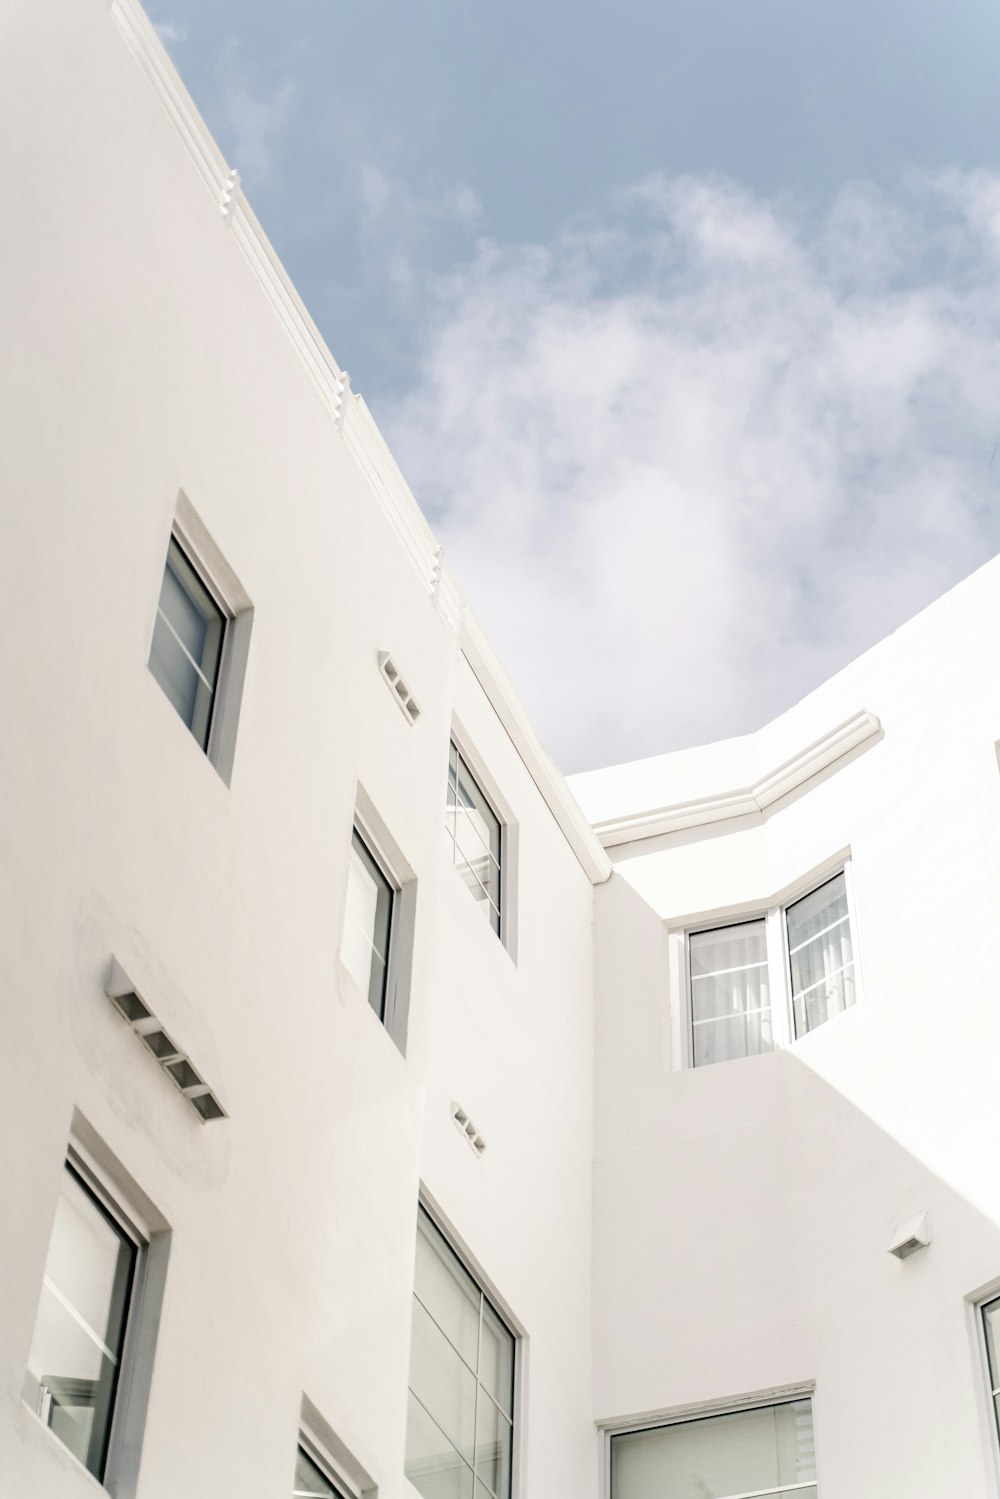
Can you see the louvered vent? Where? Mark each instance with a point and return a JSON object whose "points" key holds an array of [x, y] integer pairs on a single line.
{"points": [[404, 698], [467, 1129], [175, 1063]]}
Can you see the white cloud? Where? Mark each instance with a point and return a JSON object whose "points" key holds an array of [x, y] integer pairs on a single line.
{"points": [[255, 121], [690, 462]]}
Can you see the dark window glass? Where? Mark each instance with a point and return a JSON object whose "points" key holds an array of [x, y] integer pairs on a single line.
{"points": [[310, 1482], [76, 1351], [187, 643], [368, 924], [474, 833]]}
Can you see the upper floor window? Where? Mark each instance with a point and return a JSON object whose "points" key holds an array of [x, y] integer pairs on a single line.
{"points": [[201, 638], [991, 1332], [311, 1482], [767, 1453], [368, 923], [730, 993], [376, 950], [760, 983], [475, 835], [84, 1321], [187, 643], [460, 1422], [820, 955]]}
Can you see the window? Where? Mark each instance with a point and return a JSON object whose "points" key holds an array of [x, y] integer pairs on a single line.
{"points": [[201, 638], [187, 643], [84, 1322], [820, 955], [368, 924], [380, 910], [768, 1451], [310, 1480], [730, 998], [760, 983], [991, 1332], [475, 836], [460, 1422]]}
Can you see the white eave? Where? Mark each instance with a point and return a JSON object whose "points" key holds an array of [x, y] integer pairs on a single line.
{"points": [[743, 801]]}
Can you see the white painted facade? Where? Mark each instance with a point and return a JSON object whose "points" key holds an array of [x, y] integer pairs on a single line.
{"points": [[661, 1238]]}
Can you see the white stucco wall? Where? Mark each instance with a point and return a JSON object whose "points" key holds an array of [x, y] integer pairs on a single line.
{"points": [[743, 1211], [142, 358], [659, 1237]]}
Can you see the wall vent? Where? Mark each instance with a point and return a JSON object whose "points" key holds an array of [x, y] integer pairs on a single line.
{"points": [[175, 1063], [910, 1236], [404, 698], [467, 1129]]}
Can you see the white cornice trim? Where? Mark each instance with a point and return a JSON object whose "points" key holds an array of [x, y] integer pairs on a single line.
{"points": [[373, 456], [146, 47], [354, 421], [747, 801], [350, 415], [542, 769]]}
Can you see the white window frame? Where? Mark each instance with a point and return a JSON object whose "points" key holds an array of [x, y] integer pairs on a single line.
{"points": [[217, 577], [976, 1304], [500, 1306], [680, 1415], [772, 913], [375, 835], [509, 840], [151, 1238], [332, 1455], [330, 1470]]}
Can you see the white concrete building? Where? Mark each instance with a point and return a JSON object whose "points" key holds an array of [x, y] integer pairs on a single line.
{"points": [[383, 1115]]}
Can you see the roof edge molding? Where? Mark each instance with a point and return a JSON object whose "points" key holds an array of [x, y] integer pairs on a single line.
{"points": [[746, 801], [543, 770], [353, 420]]}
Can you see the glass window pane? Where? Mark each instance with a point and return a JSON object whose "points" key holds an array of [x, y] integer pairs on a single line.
{"points": [[734, 1037], [460, 1351], [821, 957], [758, 1451], [187, 643], [444, 1385], [715, 996], [493, 1447], [431, 1464], [80, 1327], [991, 1325], [367, 925], [310, 1483], [446, 1289], [728, 947], [730, 997], [475, 835], [496, 1360]]}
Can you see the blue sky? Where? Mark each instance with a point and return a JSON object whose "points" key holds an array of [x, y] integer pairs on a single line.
{"points": [[681, 318]]}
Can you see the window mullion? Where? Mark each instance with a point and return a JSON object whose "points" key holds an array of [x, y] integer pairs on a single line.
{"points": [[475, 1418], [779, 982]]}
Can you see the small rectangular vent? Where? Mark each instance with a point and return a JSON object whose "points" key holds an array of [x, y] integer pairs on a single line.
{"points": [[910, 1236], [175, 1063], [404, 698], [467, 1129]]}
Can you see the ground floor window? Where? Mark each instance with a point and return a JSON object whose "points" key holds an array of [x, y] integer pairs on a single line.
{"points": [[763, 1453], [460, 1427]]}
